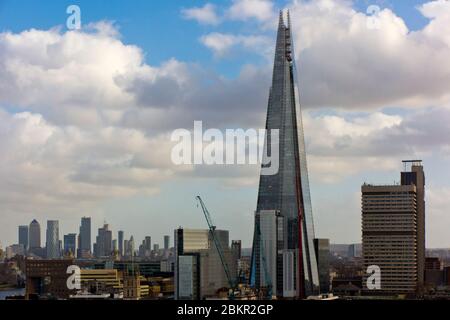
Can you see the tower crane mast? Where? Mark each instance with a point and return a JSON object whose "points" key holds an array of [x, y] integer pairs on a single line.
{"points": [[212, 230]]}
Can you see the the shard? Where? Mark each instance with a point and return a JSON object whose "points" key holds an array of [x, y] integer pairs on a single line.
{"points": [[293, 266]]}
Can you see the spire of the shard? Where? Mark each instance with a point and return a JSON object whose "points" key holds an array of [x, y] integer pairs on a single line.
{"points": [[284, 203], [280, 20]]}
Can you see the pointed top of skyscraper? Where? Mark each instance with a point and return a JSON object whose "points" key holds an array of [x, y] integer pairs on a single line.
{"points": [[281, 20], [288, 20], [286, 191]]}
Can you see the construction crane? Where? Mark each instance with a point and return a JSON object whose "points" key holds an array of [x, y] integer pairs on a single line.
{"points": [[212, 230], [267, 277]]}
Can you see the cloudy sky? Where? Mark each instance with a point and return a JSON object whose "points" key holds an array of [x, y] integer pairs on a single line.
{"points": [[86, 116]]}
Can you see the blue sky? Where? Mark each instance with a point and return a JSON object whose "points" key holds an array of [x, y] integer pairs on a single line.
{"points": [[69, 102], [158, 27]]}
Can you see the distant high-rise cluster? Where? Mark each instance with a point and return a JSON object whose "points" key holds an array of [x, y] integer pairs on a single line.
{"points": [[79, 245]]}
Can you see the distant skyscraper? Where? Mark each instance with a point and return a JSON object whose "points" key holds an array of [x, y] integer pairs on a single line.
{"points": [[393, 232], [147, 245], [130, 248], [121, 239], [84, 238], [236, 249], [103, 244], [126, 246], [354, 250], [70, 244], [52, 244], [287, 191], [34, 235], [23, 237], [166, 242], [115, 247]]}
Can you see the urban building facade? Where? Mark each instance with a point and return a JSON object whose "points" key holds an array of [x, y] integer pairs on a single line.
{"points": [[322, 247], [393, 233], [120, 237], [53, 245], [34, 235], [199, 272], [70, 244], [166, 242], [47, 278], [103, 243], [23, 236], [287, 191], [84, 240]]}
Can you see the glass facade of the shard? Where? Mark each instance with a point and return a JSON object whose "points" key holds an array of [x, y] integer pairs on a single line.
{"points": [[287, 191]]}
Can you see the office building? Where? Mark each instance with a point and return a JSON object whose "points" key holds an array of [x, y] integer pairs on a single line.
{"points": [[166, 242], [52, 245], [413, 174], [322, 247], [393, 232], [47, 278], [121, 243], [129, 247], [199, 272], [84, 238], [287, 189], [70, 244], [103, 243], [23, 237], [236, 252], [147, 246], [354, 250], [115, 247], [34, 235]]}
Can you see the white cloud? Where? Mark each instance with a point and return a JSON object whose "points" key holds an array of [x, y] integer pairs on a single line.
{"points": [[338, 147], [345, 64], [68, 77], [261, 10], [204, 15], [222, 43], [50, 168], [87, 119]]}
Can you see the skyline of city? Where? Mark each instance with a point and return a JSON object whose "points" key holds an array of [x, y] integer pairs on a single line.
{"points": [[58, 250]]}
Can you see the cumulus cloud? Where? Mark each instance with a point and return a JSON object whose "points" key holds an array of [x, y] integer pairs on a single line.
{"points": [[204, 15], [261, 10], [47, 167], [345, 64], [222, 43], [84, 118], [344, 144], [68, 77]]}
